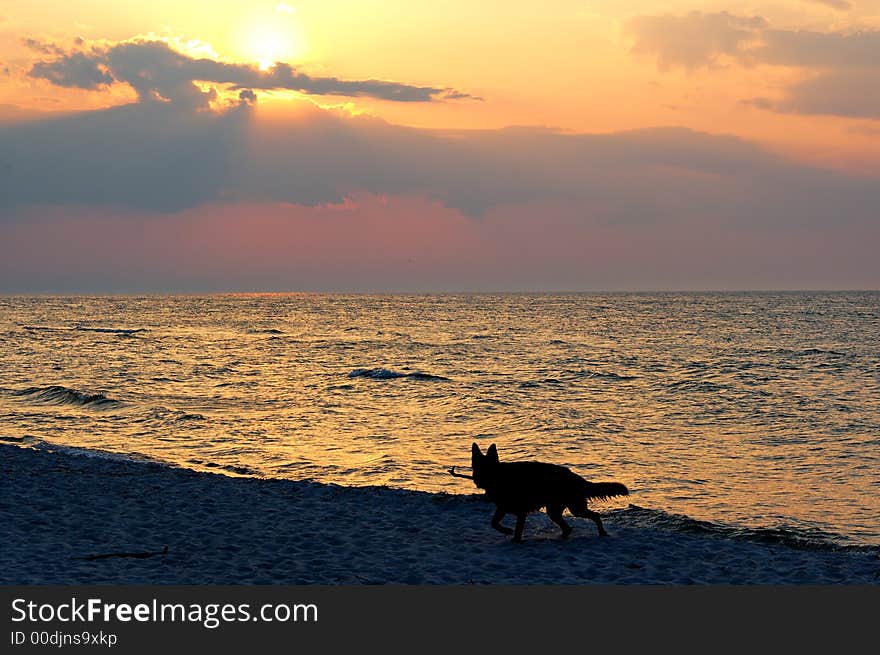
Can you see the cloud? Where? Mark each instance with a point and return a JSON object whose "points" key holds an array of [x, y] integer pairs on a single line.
{"points": [[150, 157], [840, 5], [13, 114], [452, 94], [158, 73], [247, 97], [864, 129], [694, 40], [282, 8], [841, 69], [74, 70], [843, 72], [42, 47], [325, 200], [405, 243], [809, 49], [852, 94]]}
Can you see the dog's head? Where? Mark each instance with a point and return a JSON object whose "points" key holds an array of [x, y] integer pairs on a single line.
{"points": [[483, 466]]}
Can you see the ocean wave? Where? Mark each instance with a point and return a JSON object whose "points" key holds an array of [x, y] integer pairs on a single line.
{"points": [[606, 375], [83, 328], [809, 352], [212, 370], [99, 455], [226, 468], [167, 415], [387, 374], [58, 395], [586, 374], [94, 453], [531, 384], [703, 386], [792, 537], [239, 384], [797, 352]]}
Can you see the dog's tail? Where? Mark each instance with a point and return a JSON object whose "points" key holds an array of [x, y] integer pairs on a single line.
{"points": [[604, 490]]}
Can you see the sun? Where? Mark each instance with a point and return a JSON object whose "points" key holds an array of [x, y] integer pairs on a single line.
{"points": [[268, 41], [269, 44]]}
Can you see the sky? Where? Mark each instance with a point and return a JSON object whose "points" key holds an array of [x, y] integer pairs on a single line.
{"points": [[360, 146]]}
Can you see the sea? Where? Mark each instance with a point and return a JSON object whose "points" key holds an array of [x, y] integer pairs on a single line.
{"points": [[746, 414]]}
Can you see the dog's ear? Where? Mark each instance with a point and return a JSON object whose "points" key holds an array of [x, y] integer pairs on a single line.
{"points": [[492, 453], [475, 450]]}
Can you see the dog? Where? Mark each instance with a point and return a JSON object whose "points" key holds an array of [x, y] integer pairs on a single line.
{"points": [[522, 487]]}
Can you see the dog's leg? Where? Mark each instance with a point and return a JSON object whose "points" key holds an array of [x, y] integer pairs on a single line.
{"points": [[520, 525], [598, 521], [581, 509], [496, 521], [555, 514]]}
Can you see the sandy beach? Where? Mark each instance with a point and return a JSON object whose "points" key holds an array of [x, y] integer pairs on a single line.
{"points": [[61, 509]]}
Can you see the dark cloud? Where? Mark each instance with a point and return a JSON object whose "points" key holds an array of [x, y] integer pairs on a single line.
{"points": [[150, 157], [150, 197], [137, 156], [247, 97], [284, 76], [159, 73], [42, 47], [74, 70], [452, 94]]}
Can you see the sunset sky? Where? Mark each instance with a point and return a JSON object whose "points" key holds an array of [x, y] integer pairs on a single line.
{"points": [[328, 145]]}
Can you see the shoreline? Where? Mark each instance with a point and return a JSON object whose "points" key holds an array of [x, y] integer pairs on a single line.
{"points": [[68, 517]]}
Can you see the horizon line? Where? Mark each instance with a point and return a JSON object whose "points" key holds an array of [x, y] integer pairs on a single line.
{"points": [[386, 292]]}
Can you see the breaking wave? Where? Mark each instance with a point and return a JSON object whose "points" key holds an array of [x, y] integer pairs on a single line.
{"points": [[387, 374], [58, 395]]}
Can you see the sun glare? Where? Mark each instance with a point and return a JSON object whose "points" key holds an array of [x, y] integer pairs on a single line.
{"points": [[268, 41], [269, 45]]}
